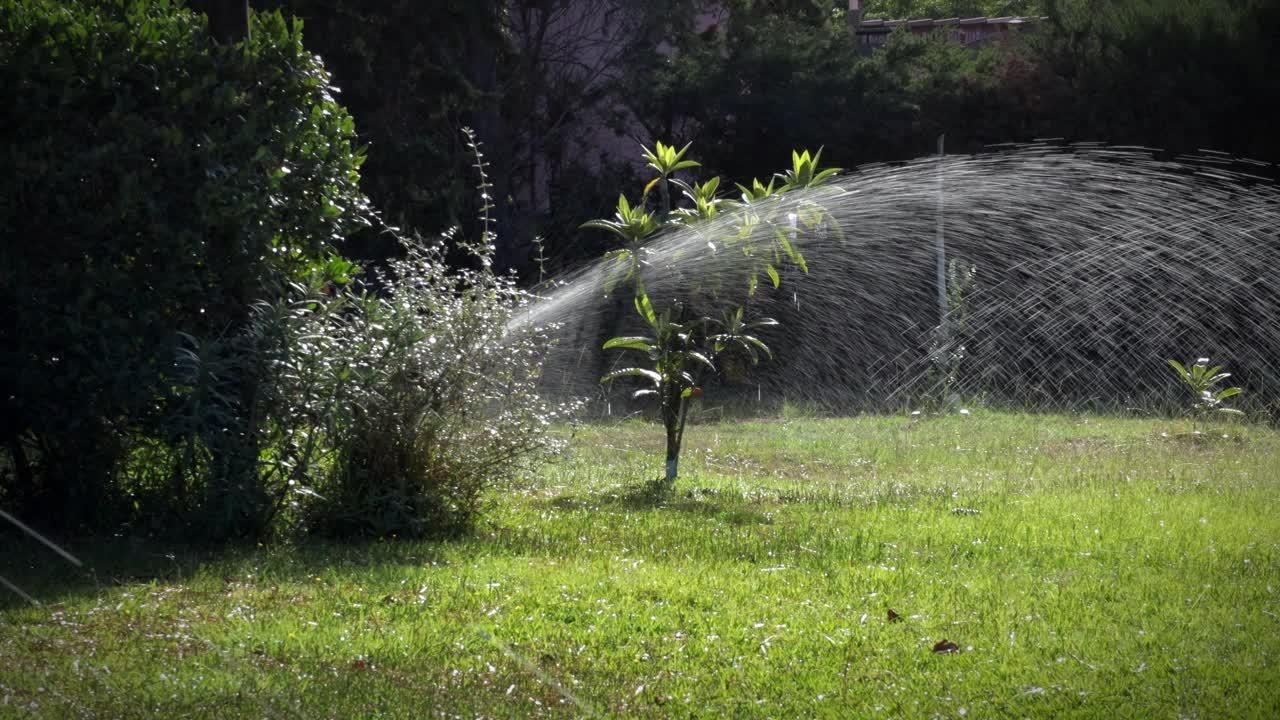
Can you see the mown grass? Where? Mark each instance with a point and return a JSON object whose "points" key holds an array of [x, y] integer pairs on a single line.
{"points": [[1084, 567]]}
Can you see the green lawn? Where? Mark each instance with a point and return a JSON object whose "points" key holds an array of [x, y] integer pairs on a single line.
{"points": [[1083, 567]]}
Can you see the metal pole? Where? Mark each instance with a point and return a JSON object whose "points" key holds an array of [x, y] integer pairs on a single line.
{"points": [[940, 234]]}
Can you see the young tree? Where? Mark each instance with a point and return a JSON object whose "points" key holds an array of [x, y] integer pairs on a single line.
{"points": [[683, 344]]}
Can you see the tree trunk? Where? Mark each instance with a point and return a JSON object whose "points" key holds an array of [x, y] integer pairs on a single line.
{"points": [[673, 447], [674, 412]]}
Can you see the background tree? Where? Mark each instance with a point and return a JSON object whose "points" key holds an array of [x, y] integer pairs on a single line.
{"points": [[413, 74], [1174, 75], [533, 77], [228, 19], [747, 80]]}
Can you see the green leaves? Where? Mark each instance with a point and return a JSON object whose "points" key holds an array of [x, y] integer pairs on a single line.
{"points": [[651, 375], [773, 275], [629, 343], [783, 237], [736, 335], [1201, 380], [645, 308], [673, 348], [804, 172], [632, 225], [757, 191], [665, 159], [705, 203]]}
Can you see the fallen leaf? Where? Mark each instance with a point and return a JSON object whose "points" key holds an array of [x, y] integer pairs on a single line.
{"points": [[893, 616], [946, 646]]}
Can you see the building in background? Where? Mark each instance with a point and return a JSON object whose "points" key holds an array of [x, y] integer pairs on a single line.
{"points": [[968, 31]]}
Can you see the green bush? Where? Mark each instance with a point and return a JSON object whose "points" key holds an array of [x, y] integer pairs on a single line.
{"points": [[442, 406], [377, 413], [155, 183]]}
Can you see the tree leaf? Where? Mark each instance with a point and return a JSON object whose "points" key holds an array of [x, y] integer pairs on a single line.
{"points": [[634, 342], [703, 359], [773, 275], [759, 344], [633, 372], [645, 308]]}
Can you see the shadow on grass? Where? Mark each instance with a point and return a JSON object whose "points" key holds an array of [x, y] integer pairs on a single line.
{"points": [[108, 562]]}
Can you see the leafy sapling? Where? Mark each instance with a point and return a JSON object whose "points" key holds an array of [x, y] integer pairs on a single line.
{"points": [[680, 349], [1203, 381]]}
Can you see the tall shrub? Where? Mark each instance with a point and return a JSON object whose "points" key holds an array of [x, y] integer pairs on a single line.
{"points": [[155, 182], [388, 406], [443, 405]]}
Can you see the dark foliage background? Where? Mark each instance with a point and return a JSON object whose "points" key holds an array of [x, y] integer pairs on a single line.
{"points": [[757, 80]]}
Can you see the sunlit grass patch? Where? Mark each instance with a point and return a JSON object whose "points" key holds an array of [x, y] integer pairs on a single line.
{"points": [[1081, 567]]}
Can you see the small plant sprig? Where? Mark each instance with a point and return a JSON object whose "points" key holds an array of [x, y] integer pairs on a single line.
{"points": [[483, 251], [666, 160], [947, 351], [1203, 381], [539, 244], [805, 172]]}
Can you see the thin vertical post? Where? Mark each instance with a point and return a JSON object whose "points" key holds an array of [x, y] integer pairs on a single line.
{"points": [[792, 220], [940, 235]]}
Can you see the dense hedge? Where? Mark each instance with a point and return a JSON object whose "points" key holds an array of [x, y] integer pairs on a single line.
{"points": [[156, 183]]}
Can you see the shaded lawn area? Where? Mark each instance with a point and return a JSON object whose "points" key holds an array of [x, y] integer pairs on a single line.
{"points": [[1081, 566]]}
